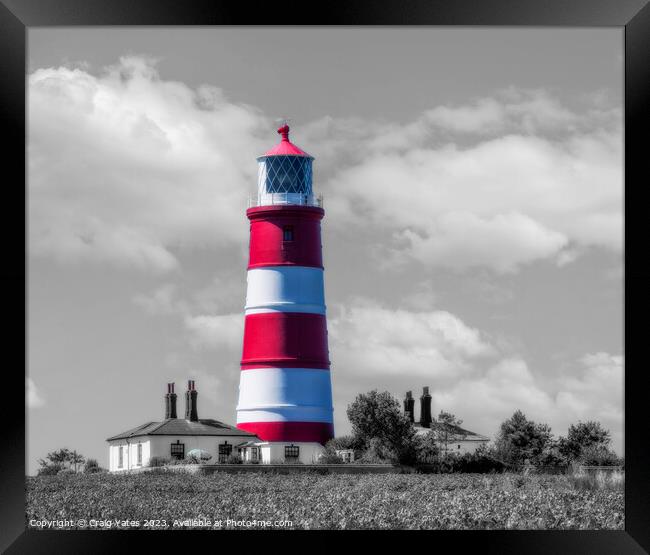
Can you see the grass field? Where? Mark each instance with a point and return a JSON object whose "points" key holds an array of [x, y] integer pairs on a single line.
{"points": [[452, 501]]}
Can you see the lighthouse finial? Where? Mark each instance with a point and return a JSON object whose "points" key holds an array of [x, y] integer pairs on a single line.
{"points": [[284, 129]]}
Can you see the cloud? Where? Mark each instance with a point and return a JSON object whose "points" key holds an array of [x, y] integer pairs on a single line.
{"points": [[216, 332], [127, 168], [462, 240], [369, 339], [35, 399], [481, 381], [532, 111], [597, 384], [499, 202], [486, 398], [163, 300]]}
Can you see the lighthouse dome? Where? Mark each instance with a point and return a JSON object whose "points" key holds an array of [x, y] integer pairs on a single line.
{"points": [[285, 174], [285, 147]]}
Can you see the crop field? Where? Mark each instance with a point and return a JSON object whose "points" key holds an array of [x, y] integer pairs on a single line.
{"points": [[427, 501]]}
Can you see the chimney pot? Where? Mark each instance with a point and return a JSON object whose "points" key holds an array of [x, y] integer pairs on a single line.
{"points": [[170, 402], [425, 408], [191, 394], [409, 406]]}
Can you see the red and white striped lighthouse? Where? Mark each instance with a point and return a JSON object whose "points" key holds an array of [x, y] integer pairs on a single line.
{"points": [[285, 392]]}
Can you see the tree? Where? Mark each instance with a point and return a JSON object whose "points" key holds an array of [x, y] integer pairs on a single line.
{"points": [[377, 418], [598, 455], [426, 446], [445, 429], [92, 466], [520, 440], [54, 462], [584, 435], [63, 459], [342, 442], [76, 459]]}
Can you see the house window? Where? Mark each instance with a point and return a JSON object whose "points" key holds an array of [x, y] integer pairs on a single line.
{"points": [[139, 454], [291, 452], [287, 233], [459, 446], [178, 450], [120, 457], [254, 454], [224, 451]]}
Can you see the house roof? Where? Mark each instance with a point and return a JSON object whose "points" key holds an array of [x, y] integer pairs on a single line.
{"points": [[456, 433], [182, 427]]}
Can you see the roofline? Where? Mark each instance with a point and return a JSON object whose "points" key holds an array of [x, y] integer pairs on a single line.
{"points": [[181, 435], [275, 155]]}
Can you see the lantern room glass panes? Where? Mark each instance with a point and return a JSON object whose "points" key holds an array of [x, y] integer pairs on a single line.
{"points": [[285, 174]]}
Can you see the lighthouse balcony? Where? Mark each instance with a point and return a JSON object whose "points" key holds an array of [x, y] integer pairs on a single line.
{"points": [[270, 199]]}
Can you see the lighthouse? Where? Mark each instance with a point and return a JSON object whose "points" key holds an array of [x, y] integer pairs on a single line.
{"points": [[285, 392]]}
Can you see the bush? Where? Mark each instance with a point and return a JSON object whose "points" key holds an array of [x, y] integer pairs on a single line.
{"points": [[597, 455], [158, 461], [92, 467], [66, 472], [481, 461], [594, 481], [330, 458], [176, 462], [51, 469], [377, 453], [234, 458], [342, 442]]}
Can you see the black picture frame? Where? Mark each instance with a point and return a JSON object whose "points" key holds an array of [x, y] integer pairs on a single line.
{"points": [[634, 15]]}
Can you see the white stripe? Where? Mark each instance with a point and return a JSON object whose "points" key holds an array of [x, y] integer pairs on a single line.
{"points": [[287, 393], [285, 289], [286, 414]]}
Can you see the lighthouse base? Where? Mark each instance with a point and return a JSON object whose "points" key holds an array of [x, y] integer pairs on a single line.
{"points": [[285, 452]]}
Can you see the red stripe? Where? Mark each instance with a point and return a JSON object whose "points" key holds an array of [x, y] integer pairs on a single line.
{"points": [[285, 339], [320, 432], [267, 244], [282, 363]]}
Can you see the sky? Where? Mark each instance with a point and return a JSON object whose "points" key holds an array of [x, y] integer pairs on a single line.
{"points": [[473, 234]]}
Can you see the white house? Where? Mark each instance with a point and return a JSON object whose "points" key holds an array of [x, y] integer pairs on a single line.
{"points": [[174, 437], [455, 439]]}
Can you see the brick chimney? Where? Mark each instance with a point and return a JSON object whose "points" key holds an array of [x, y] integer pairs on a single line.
{"points": [[167, 405], [170, 402], [191, 413], [409, 406], [425, 408]]}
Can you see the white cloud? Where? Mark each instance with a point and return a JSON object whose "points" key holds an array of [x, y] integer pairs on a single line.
{"points": [[369, 339], [591, 391], [531, 111], [125, 167], [128, 168], [35, 399], [216, 332], [469, 375], [462, 239], [598, 383], [500, 202], [163, 300]]}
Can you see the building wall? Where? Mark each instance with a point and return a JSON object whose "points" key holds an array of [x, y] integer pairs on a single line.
{"points": [[308, 453], [160, 446], [461, 447], [130, 454]]}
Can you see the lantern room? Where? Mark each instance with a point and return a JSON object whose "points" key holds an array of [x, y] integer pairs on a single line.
{"points": [[285, 175]]}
